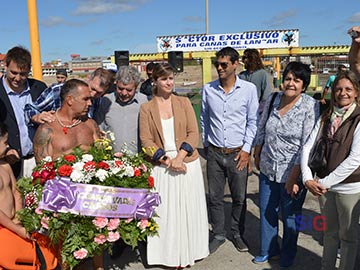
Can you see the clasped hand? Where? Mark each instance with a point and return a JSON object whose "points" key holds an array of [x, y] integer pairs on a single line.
{"points": [[315, 187], [176, 164]]}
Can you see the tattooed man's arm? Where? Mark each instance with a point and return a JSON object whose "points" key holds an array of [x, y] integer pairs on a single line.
{"points": [[42, 142]]}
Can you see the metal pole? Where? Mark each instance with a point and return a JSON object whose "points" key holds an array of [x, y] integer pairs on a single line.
{"points": [[207, 16], [34, 40]]}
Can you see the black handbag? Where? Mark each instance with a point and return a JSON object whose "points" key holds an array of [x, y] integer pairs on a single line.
{"points": [[317, 159]]}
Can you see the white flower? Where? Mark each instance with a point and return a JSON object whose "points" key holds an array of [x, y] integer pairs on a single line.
{"points": [[47, 159], [129, 171], [77, 176], [111, 135], [101, 174], [78, 166], [115, 170], [87, 157]]}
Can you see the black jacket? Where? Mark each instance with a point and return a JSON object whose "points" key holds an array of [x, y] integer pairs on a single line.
{"points": [[7, 114]]}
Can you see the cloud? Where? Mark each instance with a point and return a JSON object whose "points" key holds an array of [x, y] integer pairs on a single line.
{"points": [[195, 19], [52, 21], [354, 18], [97, 42], [98, 7], [281, 19]]}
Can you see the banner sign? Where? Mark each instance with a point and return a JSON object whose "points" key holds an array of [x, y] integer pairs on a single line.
{"points": [[62, 195], [258, 40]]}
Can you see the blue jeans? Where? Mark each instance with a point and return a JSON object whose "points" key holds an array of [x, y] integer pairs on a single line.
{"points": [[273, 197], [219, 168]]}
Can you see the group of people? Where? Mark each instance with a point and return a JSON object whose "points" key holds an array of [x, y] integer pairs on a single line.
{"points": [[239, 116]]}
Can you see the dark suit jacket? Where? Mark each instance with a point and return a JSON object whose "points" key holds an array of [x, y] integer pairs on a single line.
{"points": [[7, 114]]}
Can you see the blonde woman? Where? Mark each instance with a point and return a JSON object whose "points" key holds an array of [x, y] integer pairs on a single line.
{"points": [[337, 182]]}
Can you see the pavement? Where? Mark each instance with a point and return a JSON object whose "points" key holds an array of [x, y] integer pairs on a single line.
{"points": [[227, 257]]}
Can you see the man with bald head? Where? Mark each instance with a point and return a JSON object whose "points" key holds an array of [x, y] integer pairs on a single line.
{"points": [[71, 127]]}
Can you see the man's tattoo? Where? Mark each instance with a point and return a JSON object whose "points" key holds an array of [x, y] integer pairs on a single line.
{"points": [[42, 143]]}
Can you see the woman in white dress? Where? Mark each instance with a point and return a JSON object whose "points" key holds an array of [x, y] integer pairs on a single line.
{"points": [[169, 134]]}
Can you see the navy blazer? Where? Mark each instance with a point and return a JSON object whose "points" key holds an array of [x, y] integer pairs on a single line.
{"points": [[7, 114]]}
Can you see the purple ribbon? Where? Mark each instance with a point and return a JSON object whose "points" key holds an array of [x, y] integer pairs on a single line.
{"points": [[59, 192], [145, 208]]}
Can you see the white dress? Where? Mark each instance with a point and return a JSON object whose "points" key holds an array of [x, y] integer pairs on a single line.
{"points": [[183, 223]]}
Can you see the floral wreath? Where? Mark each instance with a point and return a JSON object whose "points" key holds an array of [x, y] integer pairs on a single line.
{"points": [[50, 194]]}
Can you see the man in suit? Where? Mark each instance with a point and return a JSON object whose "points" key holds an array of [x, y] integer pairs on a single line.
{"points": [[16, 90]]}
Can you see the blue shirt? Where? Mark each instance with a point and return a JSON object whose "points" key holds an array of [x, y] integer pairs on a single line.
{"points": [[50, 100], [229, 119], [283, 137], [18, 101]]}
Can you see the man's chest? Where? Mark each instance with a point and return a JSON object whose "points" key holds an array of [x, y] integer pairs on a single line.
{"points": [[65, 140]]}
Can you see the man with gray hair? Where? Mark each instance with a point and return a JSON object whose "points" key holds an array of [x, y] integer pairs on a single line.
{"points": [[119, 111]]}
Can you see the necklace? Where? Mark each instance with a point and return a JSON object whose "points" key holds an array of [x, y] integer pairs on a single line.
{"points": [[66, 127]]}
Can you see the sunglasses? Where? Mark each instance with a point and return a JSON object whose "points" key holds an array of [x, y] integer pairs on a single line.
{"points": [[223, 65]]}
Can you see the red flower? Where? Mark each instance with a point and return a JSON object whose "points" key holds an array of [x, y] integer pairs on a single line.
{"points": [[65, 170], [118, 163], [137, 172], [90, 166], [103, 165], [151, 181], [70, 158], [35, 175], [47, 175], [48, 166]]}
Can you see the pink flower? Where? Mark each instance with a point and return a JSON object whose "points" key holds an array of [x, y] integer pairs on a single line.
{"points": [[113, 224], [100, 222], [45, 222], [129, 220], [143, 167], [113, 236], [118, 154], [143, 224], [38, 211], [100, 239], [80, 254]]}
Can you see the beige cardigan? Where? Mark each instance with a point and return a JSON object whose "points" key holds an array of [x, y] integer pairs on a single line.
{"points": [[185, 124]]}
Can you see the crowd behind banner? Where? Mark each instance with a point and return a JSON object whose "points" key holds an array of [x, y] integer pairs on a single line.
{"points": [[294, 147]]}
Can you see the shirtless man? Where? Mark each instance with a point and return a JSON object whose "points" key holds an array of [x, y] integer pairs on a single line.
{"points": [[72, 127], [10, 199]]}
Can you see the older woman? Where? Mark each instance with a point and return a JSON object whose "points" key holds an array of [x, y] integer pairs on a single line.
{"points": [[337, 182], [284, 127], [169, 134]]}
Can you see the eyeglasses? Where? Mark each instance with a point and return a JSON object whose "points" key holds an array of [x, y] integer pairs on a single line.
{"points": [[223, 65]]}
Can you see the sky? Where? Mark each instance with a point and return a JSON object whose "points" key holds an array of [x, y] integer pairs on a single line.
{"points": [[99, 27]]}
